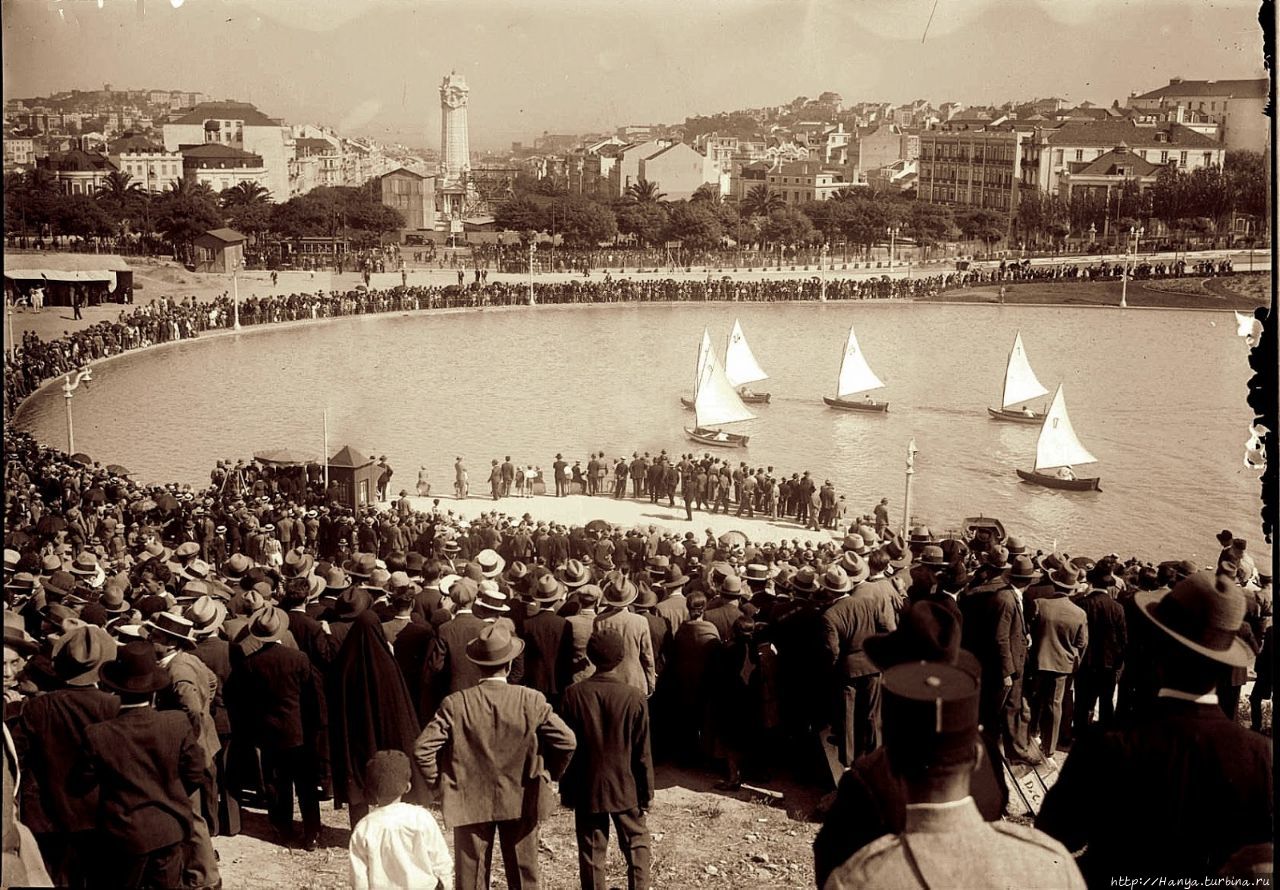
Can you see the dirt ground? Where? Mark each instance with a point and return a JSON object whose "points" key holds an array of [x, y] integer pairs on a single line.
{"points": [[1241, 291], [701, 838]]}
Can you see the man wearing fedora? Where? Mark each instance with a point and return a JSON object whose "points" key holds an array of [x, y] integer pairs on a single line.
{"points": [[1059, 633], [850, 620], [1177, 792], [492, 750], [610, 777], [639, 667], [548, 644], [49, 739], [726, 609], [276, 696], [933, 747], [192, 689], [145, 765], [206, 615]]}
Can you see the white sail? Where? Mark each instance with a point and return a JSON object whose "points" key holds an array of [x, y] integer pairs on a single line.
{"points": [[704, 350], [1058, 445], [717, 401], [740, 365], [855, 374], [1020, 383]]}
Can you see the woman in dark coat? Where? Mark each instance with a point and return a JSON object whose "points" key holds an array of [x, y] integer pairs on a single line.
{"points": [[369, 710]]}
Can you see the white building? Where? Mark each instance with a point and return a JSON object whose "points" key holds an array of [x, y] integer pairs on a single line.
{"points": [[241, 126]]}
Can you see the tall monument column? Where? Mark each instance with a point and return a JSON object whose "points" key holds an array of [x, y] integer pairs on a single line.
{"points": [[455, 147]]}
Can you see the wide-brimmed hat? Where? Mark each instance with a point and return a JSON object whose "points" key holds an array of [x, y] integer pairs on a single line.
{"points": [[494, 646], [490, 597], [836, 580], [646, 598], [757, 575], [619, 592], [920, 534], [730, 586], [927, 631], [998, 557], [172, 627], [854, 566], [805, 580], [87, 568], [1022, 567], [23, 582], [854, 542], [548, 589], [490, 563], [657, 566], [1066, 577], [59, 586], [674, 577], [236, 565], [112, 598], [183, 554], [196, 570], [377, 581], [16, 636], [574, 574], [192, 591], [81, 653], [297, 562], [351, 602], [932, 555], [337, 580], [362, 565], [517, 571], [134, 670], [206, 615], [269, 624], [1203, 612]]}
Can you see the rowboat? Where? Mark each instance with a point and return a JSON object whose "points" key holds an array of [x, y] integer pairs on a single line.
{"points": [[1020, 385], [856, 376], [1059, 446], [715, 402]]}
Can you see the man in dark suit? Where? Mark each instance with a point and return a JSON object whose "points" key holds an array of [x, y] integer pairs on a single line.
{"points": [[548, 645], [49, 739], [610, 777], [1176, 793], [450, 666], [1104, 659], [994, 631], [207, 615], [307, 632], [492, 750], [276, 697], [560, 469], [847, 625], [145, 765]]}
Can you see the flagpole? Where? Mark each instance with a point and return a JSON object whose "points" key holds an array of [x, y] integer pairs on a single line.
{"points": [[906, 499]]}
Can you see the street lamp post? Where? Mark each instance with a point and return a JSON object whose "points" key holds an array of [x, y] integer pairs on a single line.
{"points": [[10, 350], [892, 232], [822, 272], [533, 247], [1124, 278], [906, 499], [235, 293], [84, 375]]}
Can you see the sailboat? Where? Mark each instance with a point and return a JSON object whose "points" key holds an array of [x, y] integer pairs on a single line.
{"points": [[741, 368], [1020, 384], [1058, 446], [855, 376], [715, 403]]}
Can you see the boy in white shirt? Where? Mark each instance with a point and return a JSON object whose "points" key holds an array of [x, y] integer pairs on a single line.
{"points": [[397, 845]]}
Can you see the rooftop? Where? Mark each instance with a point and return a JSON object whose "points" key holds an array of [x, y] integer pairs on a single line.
{"points": [[235, 111], [1252, 88], [1113, 132], [214, 150], [1119, 157]]}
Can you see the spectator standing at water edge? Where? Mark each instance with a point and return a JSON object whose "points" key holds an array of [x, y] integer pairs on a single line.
{"points": [[562, 477], [460, 485], [490, 750]]}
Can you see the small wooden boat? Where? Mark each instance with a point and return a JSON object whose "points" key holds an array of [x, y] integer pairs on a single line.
{"points": [[718, 438], [865, 405], [747, 396], [1049, 480], [1059, 446], [715, 402], [1020, 385], [855, 376], [741, 367]]}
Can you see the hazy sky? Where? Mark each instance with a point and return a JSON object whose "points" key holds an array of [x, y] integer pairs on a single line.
{"points": [[373, 67]]}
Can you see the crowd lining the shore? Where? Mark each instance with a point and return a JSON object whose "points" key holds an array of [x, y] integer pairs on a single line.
{"points": [[36, 360], [742, 656]]}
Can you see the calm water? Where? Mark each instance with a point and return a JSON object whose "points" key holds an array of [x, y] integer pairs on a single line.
{"points": [[1158, 397]]}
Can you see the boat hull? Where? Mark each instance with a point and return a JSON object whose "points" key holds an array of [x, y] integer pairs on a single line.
{"points": [[1015, 416], [1049, 481], [842, 405], [717, 438], [751, 398]]}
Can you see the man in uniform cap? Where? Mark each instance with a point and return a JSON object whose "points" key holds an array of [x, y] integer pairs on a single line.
{"points": [[1175, 793], [490, 750], [931, 739]]}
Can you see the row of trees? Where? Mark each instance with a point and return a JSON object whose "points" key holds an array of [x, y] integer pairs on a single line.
{"points": [[856, 217], [1199, 201], [36, 205]]}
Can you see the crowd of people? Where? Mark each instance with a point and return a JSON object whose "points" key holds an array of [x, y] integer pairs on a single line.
{"points": [[173, 655], [166, 319]]}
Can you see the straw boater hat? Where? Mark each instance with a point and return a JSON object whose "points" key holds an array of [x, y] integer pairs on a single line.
{"points": [[491, 597], [494, 646], [172, 627], [206, 615]]}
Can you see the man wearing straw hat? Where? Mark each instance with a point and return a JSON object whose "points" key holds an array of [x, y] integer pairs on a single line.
{"points": [[1179, 791], [492, 750]]}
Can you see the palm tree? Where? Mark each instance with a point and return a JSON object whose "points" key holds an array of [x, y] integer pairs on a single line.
{"points": [[245, 194], [642, 191], [118, 188], [761, 202]]}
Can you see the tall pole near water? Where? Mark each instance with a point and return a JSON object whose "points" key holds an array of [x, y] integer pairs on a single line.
{"points": [[235, 293], [533, 246], [84, 375], [324, 455], [906, 499]]}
